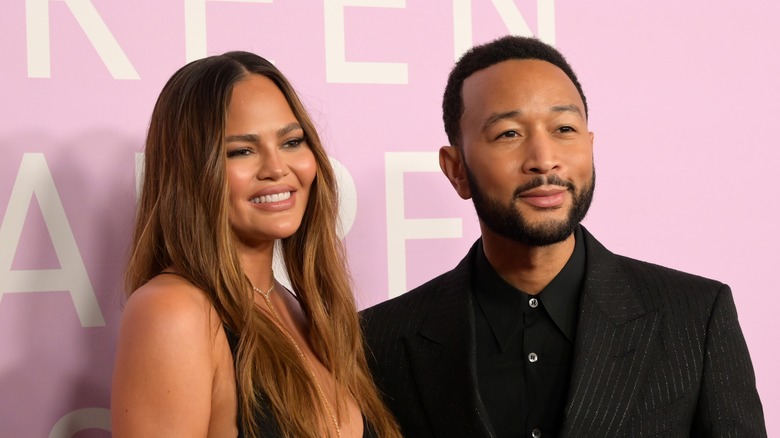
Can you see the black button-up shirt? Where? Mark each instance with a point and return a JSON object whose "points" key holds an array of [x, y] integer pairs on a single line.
{"points": [[524, 347]]}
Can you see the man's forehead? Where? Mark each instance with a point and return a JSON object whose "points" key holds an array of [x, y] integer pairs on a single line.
{"points": [[516, 80], [518, 72]]}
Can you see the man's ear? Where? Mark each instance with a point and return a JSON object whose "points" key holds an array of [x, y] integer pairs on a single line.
{"points": [[453, 166]]}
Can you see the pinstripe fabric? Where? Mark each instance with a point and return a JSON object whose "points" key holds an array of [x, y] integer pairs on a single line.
{"points": [[658, 352]]}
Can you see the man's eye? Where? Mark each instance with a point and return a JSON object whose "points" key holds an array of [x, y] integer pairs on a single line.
{"points": [[509, 134], [567, 129]]}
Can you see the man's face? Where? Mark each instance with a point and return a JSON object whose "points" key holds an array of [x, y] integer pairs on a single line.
{"points": [[526, 153]]}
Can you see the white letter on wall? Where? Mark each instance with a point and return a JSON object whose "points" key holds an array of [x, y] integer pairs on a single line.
{"points": [[34, 178], [38, 39], [195, 26], [400, 229], [337, 68], [139, 173], [81, 419], [347, 197], [515, 23]]}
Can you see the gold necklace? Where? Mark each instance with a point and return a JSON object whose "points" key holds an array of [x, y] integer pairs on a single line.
{"points": [[267, 296]]}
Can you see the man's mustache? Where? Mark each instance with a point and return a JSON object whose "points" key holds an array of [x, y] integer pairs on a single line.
{"points": [[542, 180]]}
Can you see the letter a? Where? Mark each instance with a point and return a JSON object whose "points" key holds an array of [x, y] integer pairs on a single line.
{"points": [[34, 178]]}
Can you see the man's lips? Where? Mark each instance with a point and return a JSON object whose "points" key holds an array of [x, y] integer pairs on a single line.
{"points": [[544, 197]]}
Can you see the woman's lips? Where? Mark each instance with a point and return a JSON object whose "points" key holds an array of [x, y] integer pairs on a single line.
{"points": [[276, 197], [273, 200]]}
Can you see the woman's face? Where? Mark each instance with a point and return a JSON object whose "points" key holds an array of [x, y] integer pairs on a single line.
{"points": [[270, 167]]}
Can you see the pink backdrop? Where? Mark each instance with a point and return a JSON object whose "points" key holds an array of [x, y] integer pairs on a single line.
{"points": [[682, 98]]}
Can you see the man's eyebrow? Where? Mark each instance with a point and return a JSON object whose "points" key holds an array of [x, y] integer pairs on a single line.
{"points": [[495, 117], [567, 108], [254, 138]]}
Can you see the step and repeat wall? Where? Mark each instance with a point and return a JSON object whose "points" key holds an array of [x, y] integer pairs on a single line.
{"points": [[683, 100]]}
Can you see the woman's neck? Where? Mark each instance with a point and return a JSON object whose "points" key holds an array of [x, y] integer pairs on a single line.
{"points": [[256, 262]]}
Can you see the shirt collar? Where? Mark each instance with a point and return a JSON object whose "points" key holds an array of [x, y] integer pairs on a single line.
{"points": [[503, 304], [561, 297]]}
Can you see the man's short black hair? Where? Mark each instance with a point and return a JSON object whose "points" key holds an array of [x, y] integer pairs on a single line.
{"points": [[486, 55]]}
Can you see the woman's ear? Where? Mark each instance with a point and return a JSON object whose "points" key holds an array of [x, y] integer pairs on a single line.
{"points": [[453, 166]]}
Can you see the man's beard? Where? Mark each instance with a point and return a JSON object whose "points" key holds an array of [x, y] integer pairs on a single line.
{"points": [[507, 220]]}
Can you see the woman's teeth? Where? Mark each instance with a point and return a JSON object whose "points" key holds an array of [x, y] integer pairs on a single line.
{"points": [[276, 197]]}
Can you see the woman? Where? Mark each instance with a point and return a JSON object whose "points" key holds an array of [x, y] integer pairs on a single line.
{"points": [[210, 344]]}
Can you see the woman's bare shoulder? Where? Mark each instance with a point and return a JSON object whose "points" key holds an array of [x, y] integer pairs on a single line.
{"points": [[166, 360], [170, 301], [170, 309]]}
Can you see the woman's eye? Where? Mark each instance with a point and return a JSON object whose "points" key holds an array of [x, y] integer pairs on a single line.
{"points": [[240, 152], [294, 143]]}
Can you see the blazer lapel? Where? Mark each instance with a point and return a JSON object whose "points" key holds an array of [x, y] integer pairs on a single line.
{"points": [[615, 335], [443, 359]]}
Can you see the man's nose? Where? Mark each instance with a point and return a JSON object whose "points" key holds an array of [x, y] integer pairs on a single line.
{"points": [[541, 154]]}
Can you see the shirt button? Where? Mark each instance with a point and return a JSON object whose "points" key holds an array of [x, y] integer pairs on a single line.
{"points": [[533, 302], [536, 433], [532, 357]]}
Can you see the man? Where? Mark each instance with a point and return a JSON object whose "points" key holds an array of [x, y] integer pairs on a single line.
{"points": [[540, 331]]}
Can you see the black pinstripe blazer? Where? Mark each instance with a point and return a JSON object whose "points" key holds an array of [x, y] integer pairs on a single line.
{"points": [[658, 352]]}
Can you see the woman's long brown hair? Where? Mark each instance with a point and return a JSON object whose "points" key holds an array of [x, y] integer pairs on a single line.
{"points": [[182, 221]]}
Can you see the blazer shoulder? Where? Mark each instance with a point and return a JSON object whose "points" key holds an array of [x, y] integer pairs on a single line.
{"points": [[662, 286], [674, 276], [654, 284], [444, 296], [404, 309], [413, 305], [603, 261]]}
